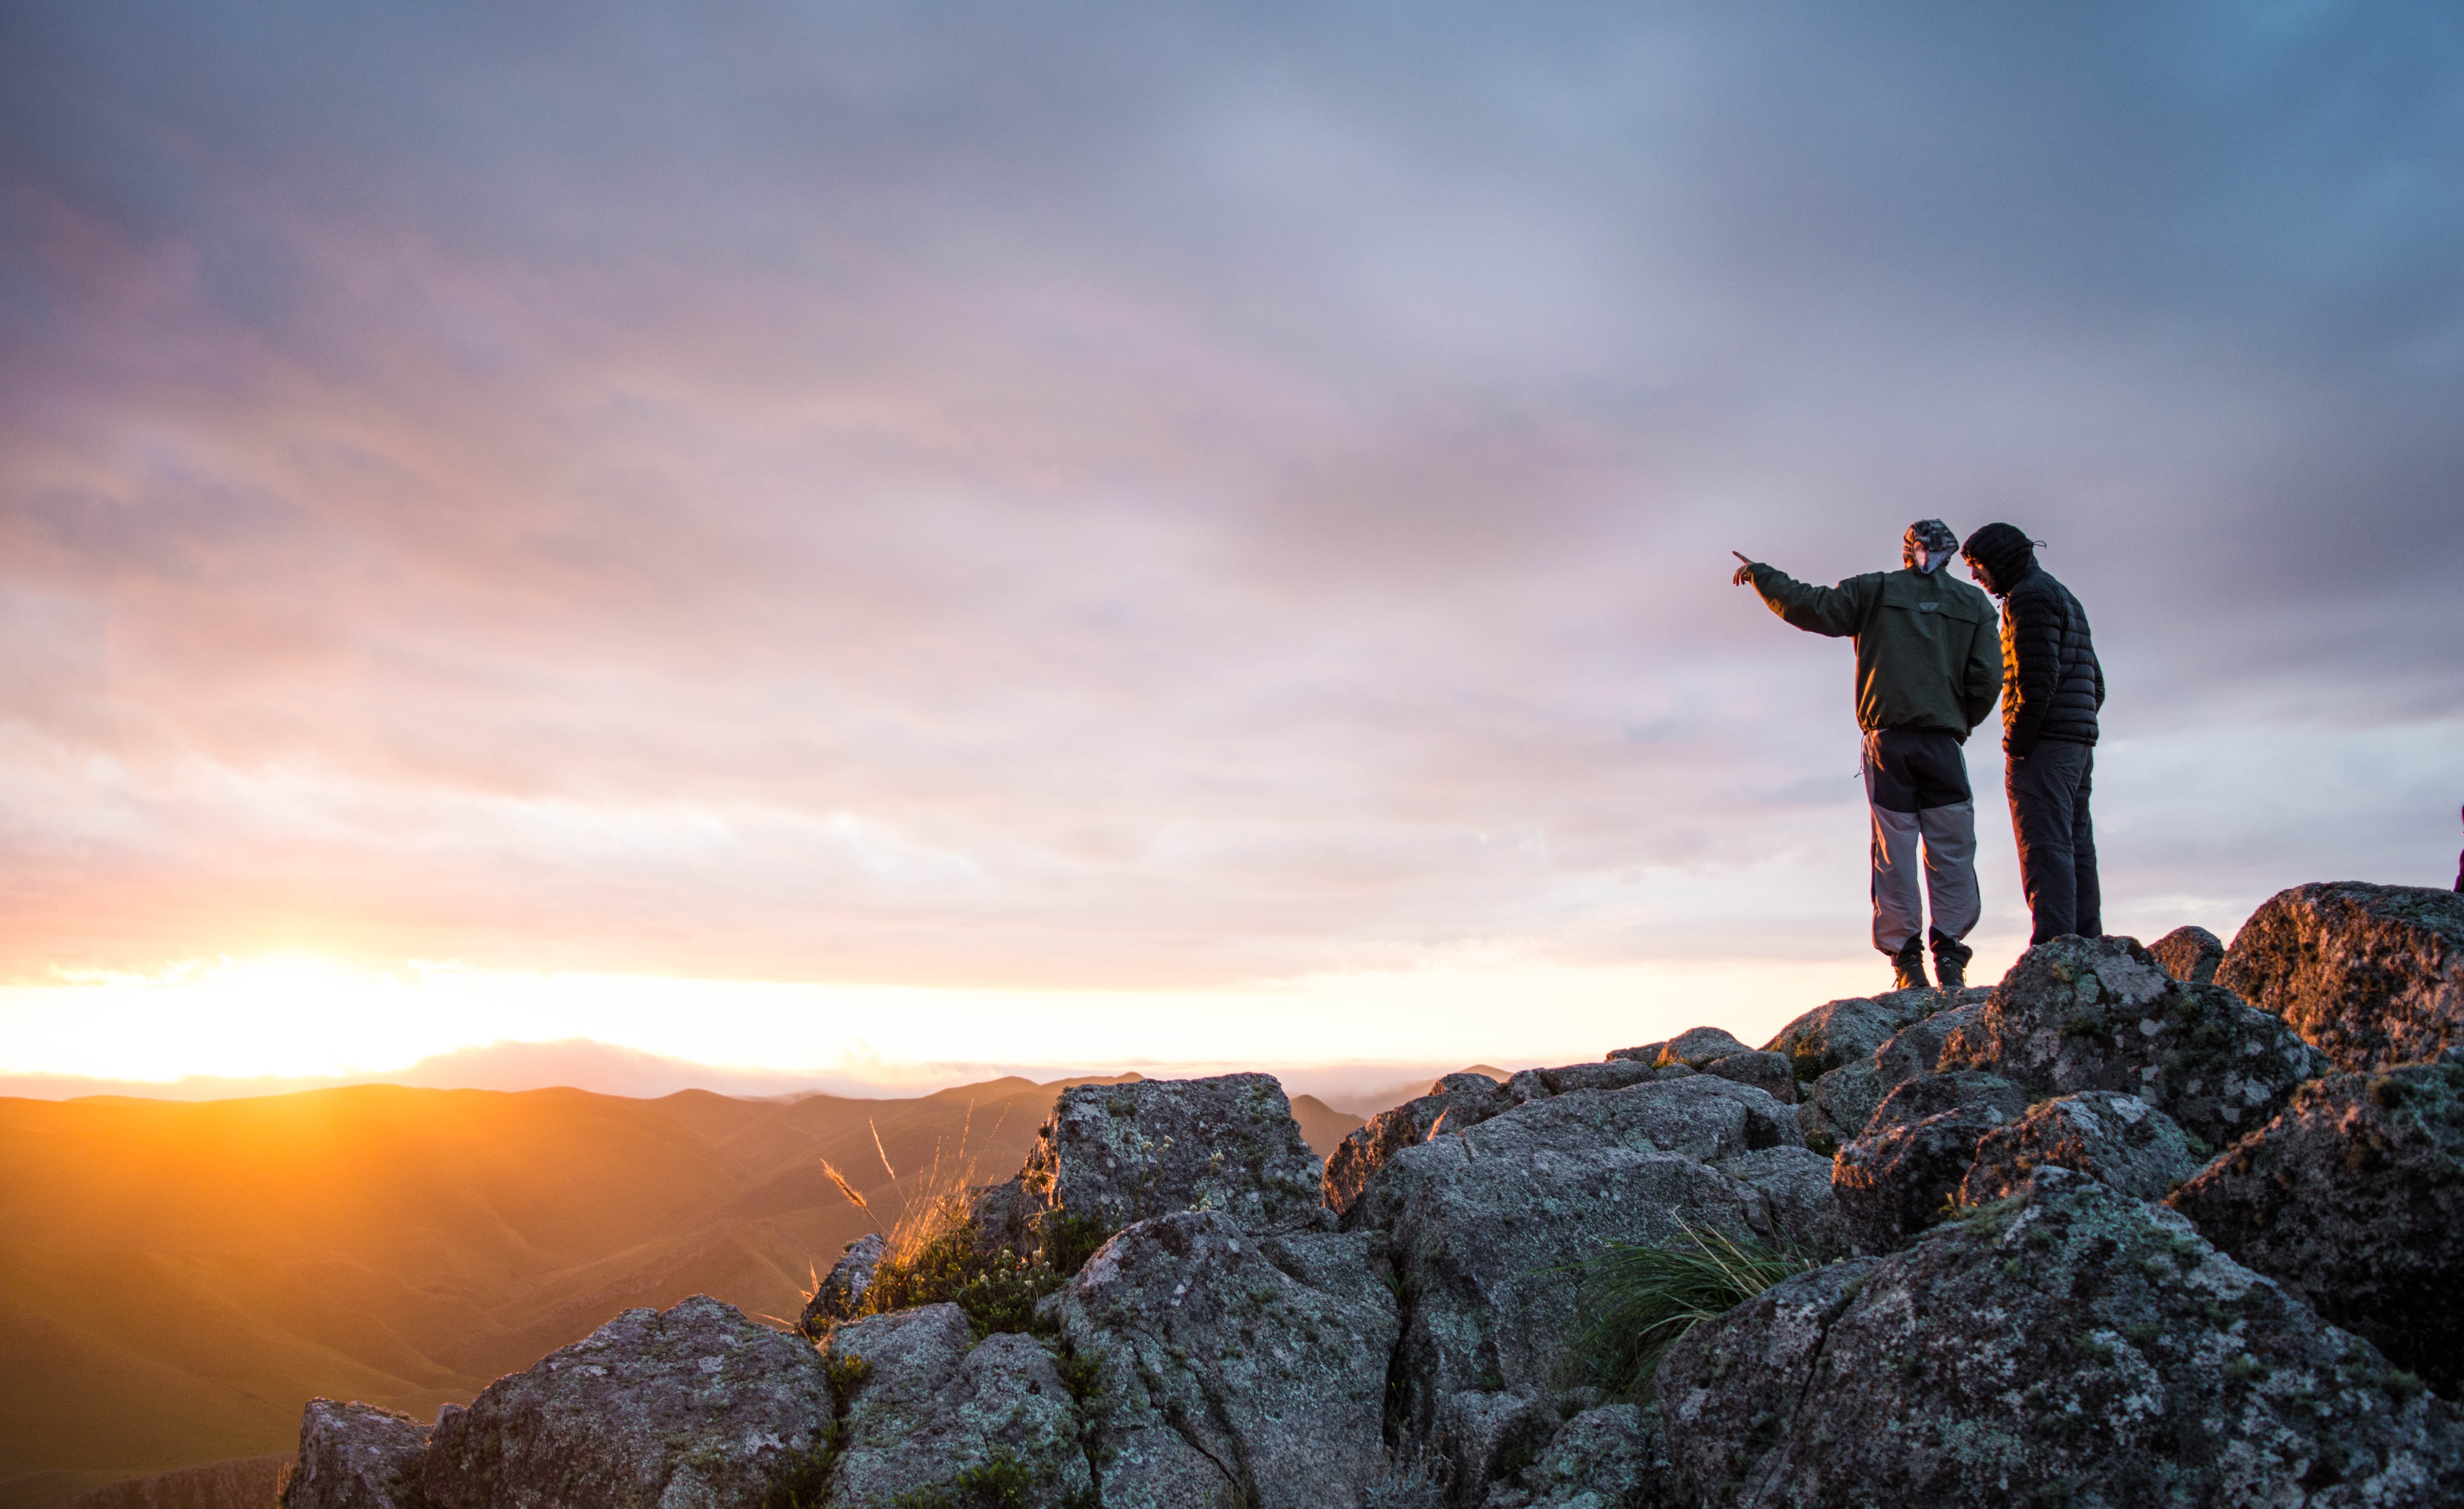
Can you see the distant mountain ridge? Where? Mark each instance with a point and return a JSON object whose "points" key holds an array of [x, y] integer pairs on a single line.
{"points": [[176, 1277]]}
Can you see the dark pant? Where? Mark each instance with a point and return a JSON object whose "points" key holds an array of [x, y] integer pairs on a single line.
{"points": [[2049, 790], [1917, 784]]}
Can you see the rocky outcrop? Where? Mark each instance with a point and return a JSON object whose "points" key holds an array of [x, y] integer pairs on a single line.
{"points": [[1236, 1368], [2354, 1197], [2115, 1139], [355, 1456], [2190, 954], [1841, 1032], [1453, 1104], [2072, 1342], [691, 1408], [1484, 1229], [924, 1415], [2100, 1013], [2372, 974], [1898, 1178], [840, 1296], [1120, 1153]]}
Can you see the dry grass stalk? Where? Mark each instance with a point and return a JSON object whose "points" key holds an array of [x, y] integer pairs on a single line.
{"points": [[854, 1199], [882, 1151]]}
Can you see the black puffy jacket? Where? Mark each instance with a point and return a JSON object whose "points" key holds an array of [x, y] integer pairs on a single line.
{"points": [[2052, 685]]}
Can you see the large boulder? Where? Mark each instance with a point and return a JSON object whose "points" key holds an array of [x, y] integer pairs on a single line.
{"points": [[1896, 1179], [2189, 953], [1485, 1230], [2372, 974], [1119, 1153], [1613, 1456], [1453, 1104], [355, 1456], [924, 1412], [2354, 1197], [2118, 1139], [840, 1296], [691, 1407], [2071, 1345], [1236, 1368], [2100, 1013]]}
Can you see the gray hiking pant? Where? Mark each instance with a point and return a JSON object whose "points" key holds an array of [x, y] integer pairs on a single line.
{"points": [[1925, 837]]}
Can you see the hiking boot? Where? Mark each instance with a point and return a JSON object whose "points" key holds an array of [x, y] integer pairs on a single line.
{"points": [[1907, 965], [1950, 958]]}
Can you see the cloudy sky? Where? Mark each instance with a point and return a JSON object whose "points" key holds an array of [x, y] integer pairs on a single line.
{"points": [[1083, 534]]}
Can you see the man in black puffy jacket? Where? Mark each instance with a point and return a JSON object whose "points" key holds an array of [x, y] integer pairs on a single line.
{"points": [[2052, 688]]}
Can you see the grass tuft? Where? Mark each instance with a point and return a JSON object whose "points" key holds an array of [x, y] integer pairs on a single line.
{"points": [[1643, 1297]]}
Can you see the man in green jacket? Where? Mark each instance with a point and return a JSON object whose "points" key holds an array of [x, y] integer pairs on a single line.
{"points": [[1928, 671]]}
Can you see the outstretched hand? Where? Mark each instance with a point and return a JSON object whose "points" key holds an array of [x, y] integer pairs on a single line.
{"points": [[1745, 573]]}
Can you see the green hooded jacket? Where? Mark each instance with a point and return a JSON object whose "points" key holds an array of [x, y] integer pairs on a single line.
{"points": [[1929, 647]]}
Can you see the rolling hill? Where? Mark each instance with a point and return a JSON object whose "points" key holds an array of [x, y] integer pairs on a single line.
{"points": [[176, 1279]]}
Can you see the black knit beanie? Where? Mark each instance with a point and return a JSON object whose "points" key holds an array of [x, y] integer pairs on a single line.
{"points": [[1927, 534], [2004, 551]]}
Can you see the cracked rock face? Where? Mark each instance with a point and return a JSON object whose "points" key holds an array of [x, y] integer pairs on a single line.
{"points": [[2100, 1013], [1482, 1228], [929, 1409], [2073, 1336], [1453, 1104], [2354, 1197], [1120, 1153], [1893, 1182], [355, 1456], [2189, 953], [2115, 1139], [691, 1408], [2372, 974], [1840, 1104], [1236, 1368]]}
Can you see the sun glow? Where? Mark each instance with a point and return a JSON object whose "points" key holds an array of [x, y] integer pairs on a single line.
{"points": [[299, 1014]]}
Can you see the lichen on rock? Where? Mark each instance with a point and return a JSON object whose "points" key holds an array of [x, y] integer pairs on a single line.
{"points": [[2100, 1013], [2372, 974], [691, 1408], [1120, 1153], [355, 1456], [2117, 1139], [2354, 1197], [928, 1411], [2071, 1338], [1237, 1367]]}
